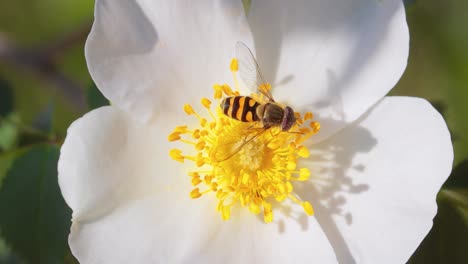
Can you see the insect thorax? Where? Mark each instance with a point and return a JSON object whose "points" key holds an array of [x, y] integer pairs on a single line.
{"points": [[272, 115]]}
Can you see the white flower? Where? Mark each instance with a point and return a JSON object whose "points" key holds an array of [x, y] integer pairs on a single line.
{"points": [[376, 164]]}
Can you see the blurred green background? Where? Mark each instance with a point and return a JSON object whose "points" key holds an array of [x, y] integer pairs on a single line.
{"points": [[45, 85]]}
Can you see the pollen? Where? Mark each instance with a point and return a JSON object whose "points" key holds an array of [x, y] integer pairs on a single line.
{"points": [[237, 165]]}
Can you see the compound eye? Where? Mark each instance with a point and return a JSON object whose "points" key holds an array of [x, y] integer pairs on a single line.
{"points": [[288, 119]]}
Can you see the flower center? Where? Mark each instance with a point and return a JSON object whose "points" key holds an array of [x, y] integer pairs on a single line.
{"points": [[243, 162]]}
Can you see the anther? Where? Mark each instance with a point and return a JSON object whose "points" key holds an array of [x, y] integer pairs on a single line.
{"points": [[196, 134], [226, 213], [195, 193], [308, 116], [206, 103], [308, 208], [234, 65], [200, 145], [203, 122], [174, 136], [176, 154], [304, 174], [315, 126], [196, 181], [218, 91], [181, 129], [267, 213], [303, 152], [188, 109], [291, 165], [227, 90]]}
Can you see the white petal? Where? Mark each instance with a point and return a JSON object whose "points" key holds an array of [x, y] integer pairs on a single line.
{"points": [[148, 57], [336, 58], [171, 229], [108, 158], [293, 237], [131, 204], [375, 183]]}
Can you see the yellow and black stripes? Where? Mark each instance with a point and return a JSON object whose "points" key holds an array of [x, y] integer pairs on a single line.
{"points": [[242, 108]]}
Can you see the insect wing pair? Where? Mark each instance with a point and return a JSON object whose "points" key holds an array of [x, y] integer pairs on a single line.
{"points": [[263, 110]]}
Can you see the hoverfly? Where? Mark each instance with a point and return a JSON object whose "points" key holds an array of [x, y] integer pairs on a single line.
{"points": [[247, 109]]}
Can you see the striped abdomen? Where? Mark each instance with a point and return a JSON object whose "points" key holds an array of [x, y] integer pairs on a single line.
{"points": [[242, 108]]}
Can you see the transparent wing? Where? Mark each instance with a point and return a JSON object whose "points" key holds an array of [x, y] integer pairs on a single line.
{"points": [[220, 157], [250, 73]]}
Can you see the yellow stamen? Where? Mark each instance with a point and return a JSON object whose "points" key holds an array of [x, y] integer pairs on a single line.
{"points": [[308, 208], [195, 193], [206, 102], [196, 181], [188, 109], [234, 65], [315, 126], [227, 90], [181, 129], [218, 91], [303, 152], [304, 174], [174, 136], [308, 116], [267, 213], [176, 154], [252, 175], [226, 212]]}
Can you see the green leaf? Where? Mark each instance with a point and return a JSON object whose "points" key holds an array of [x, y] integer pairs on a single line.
{"points": [[6, 160], [9, 131], [458, 178], [35, 220], [95, 98], [458, 199], [408, 3], [6, 256], [447, 241], [6, 98]]}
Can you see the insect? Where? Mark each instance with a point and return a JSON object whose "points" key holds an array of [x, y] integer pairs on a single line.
{"points": [[247, 109]]}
